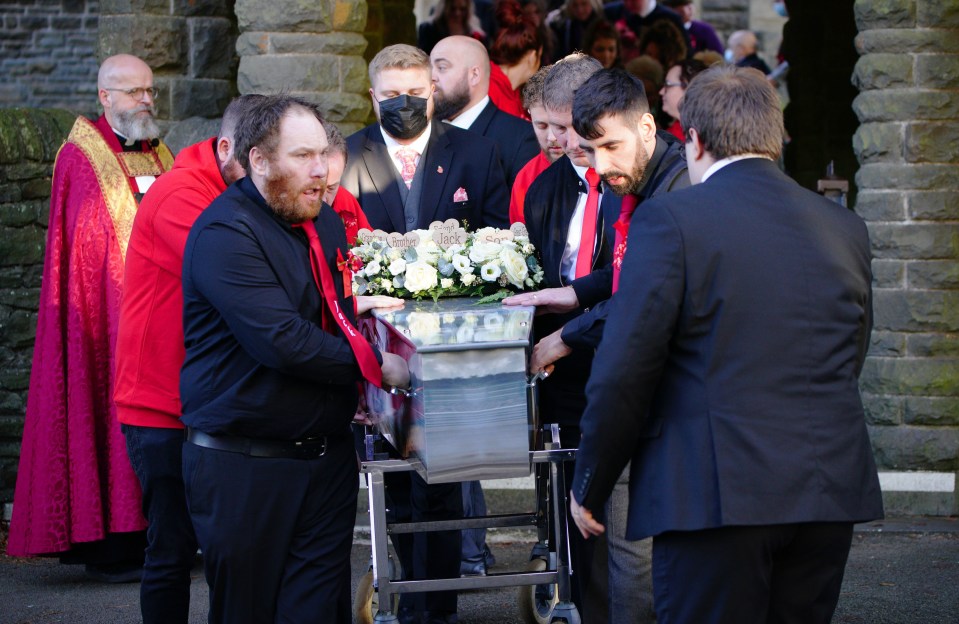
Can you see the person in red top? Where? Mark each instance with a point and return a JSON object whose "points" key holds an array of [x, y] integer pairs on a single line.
{"points": [[514, 56], [150, 352], [550, 150], [342, 201]]}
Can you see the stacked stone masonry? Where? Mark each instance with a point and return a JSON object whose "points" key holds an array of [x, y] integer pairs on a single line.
{"points": [[310, 49], [29, 140], [48, 54], [907, 75], [190, 44]]}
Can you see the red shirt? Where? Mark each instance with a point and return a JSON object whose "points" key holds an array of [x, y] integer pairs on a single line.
{"points": [[524, 178], [150, 338], [503, 95]]}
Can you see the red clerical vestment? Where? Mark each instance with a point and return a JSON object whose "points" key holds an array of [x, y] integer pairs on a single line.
{"points": [[75, 483]]}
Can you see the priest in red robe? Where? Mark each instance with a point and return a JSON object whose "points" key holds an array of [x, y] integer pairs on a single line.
{"points": [[76, 494]]}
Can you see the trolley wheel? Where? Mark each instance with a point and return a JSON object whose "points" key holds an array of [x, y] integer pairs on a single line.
{"points": [[536, 601], [366, 603]]}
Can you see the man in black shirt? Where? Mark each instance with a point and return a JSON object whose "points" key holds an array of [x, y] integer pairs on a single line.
{"points": [[269, 383]]}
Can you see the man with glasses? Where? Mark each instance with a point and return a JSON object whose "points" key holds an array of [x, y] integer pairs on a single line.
{"points": [[77, 495]]}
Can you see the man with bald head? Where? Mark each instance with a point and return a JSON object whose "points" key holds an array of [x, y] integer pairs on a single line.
{"points": [[741, 51], [77, 495], [461, 75]]}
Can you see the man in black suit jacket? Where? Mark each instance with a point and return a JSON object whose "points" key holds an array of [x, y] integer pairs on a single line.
{"points": [[728, 375], [461, 74], [644, 164], [451, 173]]}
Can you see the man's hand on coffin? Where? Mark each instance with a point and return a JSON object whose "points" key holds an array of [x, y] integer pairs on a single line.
{"points": [[365, 303], [548, 300], [584, 519], [547, 351], [361, 416], [396, 372]]}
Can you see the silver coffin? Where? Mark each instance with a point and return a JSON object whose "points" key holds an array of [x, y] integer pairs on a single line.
{"points": [[468, 416]]}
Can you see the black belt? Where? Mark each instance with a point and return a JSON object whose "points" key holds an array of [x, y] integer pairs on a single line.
{"points": [[307, 448]]}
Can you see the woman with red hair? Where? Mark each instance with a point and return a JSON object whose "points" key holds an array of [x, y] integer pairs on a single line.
{"points": [[514, 56]]}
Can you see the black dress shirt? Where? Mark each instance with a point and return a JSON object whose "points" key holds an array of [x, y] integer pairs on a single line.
{"points": [[258, 363]]}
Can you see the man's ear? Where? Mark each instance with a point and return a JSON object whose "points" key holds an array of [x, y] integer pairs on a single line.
{"points": [[224, 149], [694, 146], [258, 162], [647, 128], [474, 76], [104, 96]]}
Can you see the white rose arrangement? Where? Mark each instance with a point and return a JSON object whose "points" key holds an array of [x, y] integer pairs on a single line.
{"points": [[445, 261]]}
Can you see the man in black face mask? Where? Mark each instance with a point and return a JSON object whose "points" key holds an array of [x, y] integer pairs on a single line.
{"points": [[408, 171]]}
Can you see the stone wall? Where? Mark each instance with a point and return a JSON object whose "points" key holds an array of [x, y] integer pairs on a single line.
{"points": [[190, 44], [908, 76], [47, 54], [29, 140]]}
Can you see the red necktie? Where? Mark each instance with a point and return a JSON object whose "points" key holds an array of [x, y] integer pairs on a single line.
{"points": [[587, 239], [622, 229], [324, 281]]}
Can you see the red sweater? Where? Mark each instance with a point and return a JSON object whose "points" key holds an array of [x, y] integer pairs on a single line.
{"points": [[503, 95], [524, 178], [149, 349], [349, 211]]}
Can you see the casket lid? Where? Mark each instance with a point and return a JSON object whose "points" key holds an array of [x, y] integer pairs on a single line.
{"points": [[460, 323]]}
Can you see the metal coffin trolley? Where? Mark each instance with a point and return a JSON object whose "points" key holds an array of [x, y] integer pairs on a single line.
{"points": [[470, 415]]}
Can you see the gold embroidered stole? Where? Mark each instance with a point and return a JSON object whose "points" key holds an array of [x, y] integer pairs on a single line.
{"points": [[113, 171]]}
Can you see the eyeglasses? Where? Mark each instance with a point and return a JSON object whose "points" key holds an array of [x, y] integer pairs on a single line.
{"points": [[137, 93], [669, 84]]}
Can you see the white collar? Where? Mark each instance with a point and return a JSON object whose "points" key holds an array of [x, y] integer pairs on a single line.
{"points": [[419, 145], [465, 119], [719, 164], [649, 8]]}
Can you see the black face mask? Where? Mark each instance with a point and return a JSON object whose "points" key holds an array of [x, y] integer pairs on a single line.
{"points": [[403, 116]]}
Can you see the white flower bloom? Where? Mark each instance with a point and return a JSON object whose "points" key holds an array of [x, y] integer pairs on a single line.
{"points": [[397, 266], [527, 249], [394, 254], [484, 252], [420, 276], [454, 249], [428, 251], [490, 272], [468, 279], [514, 266], [386, 284], [446, 283], [372, 268], [462, 264]]}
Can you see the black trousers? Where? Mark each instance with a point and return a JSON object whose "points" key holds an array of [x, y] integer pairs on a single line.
{"points": [[275, 533], [779, 574]]}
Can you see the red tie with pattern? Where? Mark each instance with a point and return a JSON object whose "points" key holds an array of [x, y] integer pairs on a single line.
{"points": [[587, 239], [407, 158], [622, 229], [324, 281]]}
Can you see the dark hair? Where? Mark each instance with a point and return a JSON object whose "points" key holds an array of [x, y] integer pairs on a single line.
{"points": [[237, 108], [335, 139], [601, 29], [565, 76], [517, 34], [689, 69], [607, 92], [260, 126], [668, 38], [734, 111]]}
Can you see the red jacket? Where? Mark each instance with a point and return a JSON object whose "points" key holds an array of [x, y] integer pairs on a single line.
{"points": [[149, 349], [349, 211], [524, 178]]}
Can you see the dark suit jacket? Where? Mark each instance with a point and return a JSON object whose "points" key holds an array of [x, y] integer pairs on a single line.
{"points": [[728, 369], [455, 159], [548, 209], [514, 137]]}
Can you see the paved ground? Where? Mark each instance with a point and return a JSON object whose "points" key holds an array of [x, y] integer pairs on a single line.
{"points": [[900, 572]]}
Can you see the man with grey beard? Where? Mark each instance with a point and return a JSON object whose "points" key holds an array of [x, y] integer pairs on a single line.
{"points": [[77, 495]]}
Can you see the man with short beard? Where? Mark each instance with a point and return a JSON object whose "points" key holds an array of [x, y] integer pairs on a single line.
{"points": [[611, 124], [77, 495], [269, 383], [461, 73]]}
